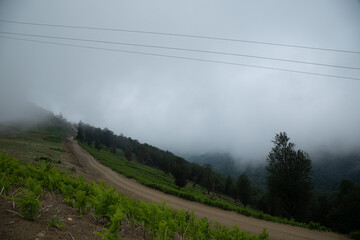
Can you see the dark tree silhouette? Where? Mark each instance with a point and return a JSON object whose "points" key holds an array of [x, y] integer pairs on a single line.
{"points": [[209, 178], [228, 184], [244, 189], [180, 172], [288, 179]]}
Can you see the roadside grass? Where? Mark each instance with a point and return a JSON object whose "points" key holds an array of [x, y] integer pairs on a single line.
{"points": [[157, 179]]}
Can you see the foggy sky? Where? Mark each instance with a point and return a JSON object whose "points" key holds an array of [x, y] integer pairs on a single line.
{"points": [[187, 106]]}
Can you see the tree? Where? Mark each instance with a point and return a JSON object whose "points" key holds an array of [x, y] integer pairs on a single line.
{"points": [[244, 189], [180, 172], [346, 211], [80, 132], [228, 184], [288, 179], [209, 178]]}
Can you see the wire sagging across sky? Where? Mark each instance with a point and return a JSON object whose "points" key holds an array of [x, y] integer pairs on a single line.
{"points": [[181, 57], [180, 49], [184, 35]]}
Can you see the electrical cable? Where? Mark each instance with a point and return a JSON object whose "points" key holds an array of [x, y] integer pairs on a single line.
{"points": [[183, 35], [182, 49], [184, 58]]}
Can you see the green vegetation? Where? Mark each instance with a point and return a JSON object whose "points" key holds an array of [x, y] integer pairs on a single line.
{"points": [[159, 221], [56, 221], [157, 179], [29, 204], [32, 146], [52, 139]]}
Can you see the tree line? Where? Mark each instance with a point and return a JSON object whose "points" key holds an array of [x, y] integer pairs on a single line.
{"points": [[182, 170]]}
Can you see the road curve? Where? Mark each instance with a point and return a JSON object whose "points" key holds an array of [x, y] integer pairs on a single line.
{"points": [[92, 168]]}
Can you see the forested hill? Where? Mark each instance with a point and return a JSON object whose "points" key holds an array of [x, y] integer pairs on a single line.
{"points": [[181, 169], [328, 169]]}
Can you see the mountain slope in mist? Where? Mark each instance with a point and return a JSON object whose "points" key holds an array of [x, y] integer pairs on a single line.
{"points": [[328, 169]]}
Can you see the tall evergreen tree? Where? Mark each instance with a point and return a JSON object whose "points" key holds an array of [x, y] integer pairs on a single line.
{"points": [[288, 179], [180, 172], [80, 132], [209, 178], [244, 189], [228, 184]]}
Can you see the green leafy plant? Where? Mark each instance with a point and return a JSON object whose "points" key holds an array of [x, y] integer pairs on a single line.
{"points": [[81, 201], [29, 204], [111, 233], [56, 220], [104, 201]]}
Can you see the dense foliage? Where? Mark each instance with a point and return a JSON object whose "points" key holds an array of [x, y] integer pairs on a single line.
{"points": [[160, 221]]}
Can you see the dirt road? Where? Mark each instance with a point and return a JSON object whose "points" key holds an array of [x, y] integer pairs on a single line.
{"points": [[90, 167]]}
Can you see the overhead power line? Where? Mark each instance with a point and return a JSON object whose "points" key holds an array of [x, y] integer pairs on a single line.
{"points": [[183, 35], [183, 58], [180, 49]]}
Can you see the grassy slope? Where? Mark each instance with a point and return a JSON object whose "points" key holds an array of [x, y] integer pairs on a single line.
{"points": [[33, 144], [157, 179]]}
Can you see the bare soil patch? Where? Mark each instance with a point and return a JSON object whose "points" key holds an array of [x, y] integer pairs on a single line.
{"points": [[14, 227]]}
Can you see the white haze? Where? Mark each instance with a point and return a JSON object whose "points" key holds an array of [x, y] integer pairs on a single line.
{"points": [[184, 106]]}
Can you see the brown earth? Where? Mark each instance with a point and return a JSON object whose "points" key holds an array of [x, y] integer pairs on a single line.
{"points": [[88, 166]]}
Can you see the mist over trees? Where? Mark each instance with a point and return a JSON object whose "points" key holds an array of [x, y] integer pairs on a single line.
{"points": [[182, 170]]}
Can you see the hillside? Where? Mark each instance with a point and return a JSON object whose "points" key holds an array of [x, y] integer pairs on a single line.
{"points": [[44, 144], [84, 224], [51, 194]]}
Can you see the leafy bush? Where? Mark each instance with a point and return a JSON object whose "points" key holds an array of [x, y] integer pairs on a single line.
{"points": [[29, 204], [82, 203], [104, 201], [111, 233]]}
